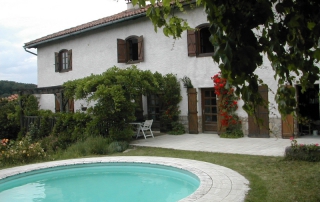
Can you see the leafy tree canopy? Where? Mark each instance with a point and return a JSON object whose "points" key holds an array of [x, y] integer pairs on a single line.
{"points": [[286, 31]]}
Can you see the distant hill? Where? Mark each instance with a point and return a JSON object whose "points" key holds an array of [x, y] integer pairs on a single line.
{"points": [[8, 88]]}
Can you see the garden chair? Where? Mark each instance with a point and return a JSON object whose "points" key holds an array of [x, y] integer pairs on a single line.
{"points": [[146, 126]]}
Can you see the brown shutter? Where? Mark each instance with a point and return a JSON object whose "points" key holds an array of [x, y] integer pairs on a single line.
{"points": [[191, 39], [140, 49], [71, 105], [56, 61], [69, 59], [57, 102], [122, 54], [192, 111], [260, 130], [287, 124]]}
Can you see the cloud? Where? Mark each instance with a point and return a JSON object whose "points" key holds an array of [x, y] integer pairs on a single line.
{"points": [[22, 21]]}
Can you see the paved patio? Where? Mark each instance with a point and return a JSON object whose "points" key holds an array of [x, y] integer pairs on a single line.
{"points": [[213, 143]]}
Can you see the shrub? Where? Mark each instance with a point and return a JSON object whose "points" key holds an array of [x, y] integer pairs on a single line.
{"points": [[117, 147], [91, 146], [304, 152], [23, 151], [9, 123], [177, 128]]}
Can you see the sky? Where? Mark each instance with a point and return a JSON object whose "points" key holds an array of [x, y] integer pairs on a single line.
{"points": [[22, 21]]}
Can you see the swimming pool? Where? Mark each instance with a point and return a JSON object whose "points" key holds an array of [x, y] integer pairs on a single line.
{"points": [[217, 183], [100, 182]]}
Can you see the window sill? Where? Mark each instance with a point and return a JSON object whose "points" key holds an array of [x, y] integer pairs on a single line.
{"points": [[133, 61], [63, 71], [205, 54]]}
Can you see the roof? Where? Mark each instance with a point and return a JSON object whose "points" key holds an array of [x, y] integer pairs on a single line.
{"points": [[119, 17]]}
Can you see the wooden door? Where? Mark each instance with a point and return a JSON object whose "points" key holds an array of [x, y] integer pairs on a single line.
{"points": [[260, 130], [192, 111], [209, 110]]}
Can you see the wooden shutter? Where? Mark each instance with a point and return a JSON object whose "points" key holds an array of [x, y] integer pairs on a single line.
{"points": [[69, 59], [140, 49], [288, 126], [57, 102], [122, 54], [191, 40], [260, 130], [71, 105], [192, 111], [287, 123], [56, 61]]}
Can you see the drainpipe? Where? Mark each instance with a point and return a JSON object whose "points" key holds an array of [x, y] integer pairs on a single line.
{"points": [[29, 51]]}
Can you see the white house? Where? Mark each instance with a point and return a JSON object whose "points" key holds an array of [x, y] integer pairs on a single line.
{"points": [[129, 38]]}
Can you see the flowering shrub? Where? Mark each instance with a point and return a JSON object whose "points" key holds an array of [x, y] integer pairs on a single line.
{"points": [[227, 105], [306, 147], [306, 152], [20, 151]]}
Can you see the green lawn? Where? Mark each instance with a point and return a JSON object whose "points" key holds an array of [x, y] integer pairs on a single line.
{"points": [[271, 178]]}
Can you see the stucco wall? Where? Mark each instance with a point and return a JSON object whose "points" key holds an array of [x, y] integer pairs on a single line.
{"points": [[96, 51]]}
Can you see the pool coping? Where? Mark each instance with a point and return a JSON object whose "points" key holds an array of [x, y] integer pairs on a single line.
{"points": [[217, 183]]}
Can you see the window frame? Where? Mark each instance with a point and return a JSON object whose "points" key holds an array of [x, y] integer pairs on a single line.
{"points": [[63, 61], [194, 41], [124, 50]]}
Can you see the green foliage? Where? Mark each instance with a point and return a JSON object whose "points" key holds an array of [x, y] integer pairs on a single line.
{"points": [[117, 147], [287, 32], [8, 88], [170, 96], [303, 152], [177, 129], [187, 82], [70, 128], [121, 134], [113, 92], [9, 122], [91, 146]]}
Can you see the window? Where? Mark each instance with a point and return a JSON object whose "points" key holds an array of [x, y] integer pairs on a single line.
{"points": [[130, 50], [198, 42], [63, 61]]}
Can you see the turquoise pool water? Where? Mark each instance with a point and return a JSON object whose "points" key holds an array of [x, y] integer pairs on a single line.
{"points": [[118, 182]]}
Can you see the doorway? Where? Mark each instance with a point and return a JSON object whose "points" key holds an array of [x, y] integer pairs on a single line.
{"points": [[308, 108], [209, 110]]}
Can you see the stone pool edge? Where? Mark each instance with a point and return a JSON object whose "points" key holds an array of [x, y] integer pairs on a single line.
{"points": [[217, 183]]}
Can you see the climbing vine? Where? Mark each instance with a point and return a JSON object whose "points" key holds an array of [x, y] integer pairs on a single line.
{"points": [[227, 105], [287, 32]]}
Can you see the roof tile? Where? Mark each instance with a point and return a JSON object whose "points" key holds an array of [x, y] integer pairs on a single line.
{"points": [[121, 15]]}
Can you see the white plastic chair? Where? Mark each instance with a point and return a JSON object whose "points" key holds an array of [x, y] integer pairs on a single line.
{"points": [[146, 126]]}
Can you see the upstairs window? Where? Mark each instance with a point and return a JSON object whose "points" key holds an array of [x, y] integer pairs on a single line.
{"points": [[130, 50], [198, 42], [63, 61]]}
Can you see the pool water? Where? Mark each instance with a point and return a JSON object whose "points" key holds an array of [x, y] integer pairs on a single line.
{"points": [[118, 182]]}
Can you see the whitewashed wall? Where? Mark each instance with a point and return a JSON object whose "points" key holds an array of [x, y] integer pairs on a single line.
{"points": [[96, 51]]}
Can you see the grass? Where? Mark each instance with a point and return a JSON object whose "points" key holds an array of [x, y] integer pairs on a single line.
{"points": [[271, 178]]}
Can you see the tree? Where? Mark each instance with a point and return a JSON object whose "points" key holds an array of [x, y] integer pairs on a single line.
{"points": [[242, 32]]}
